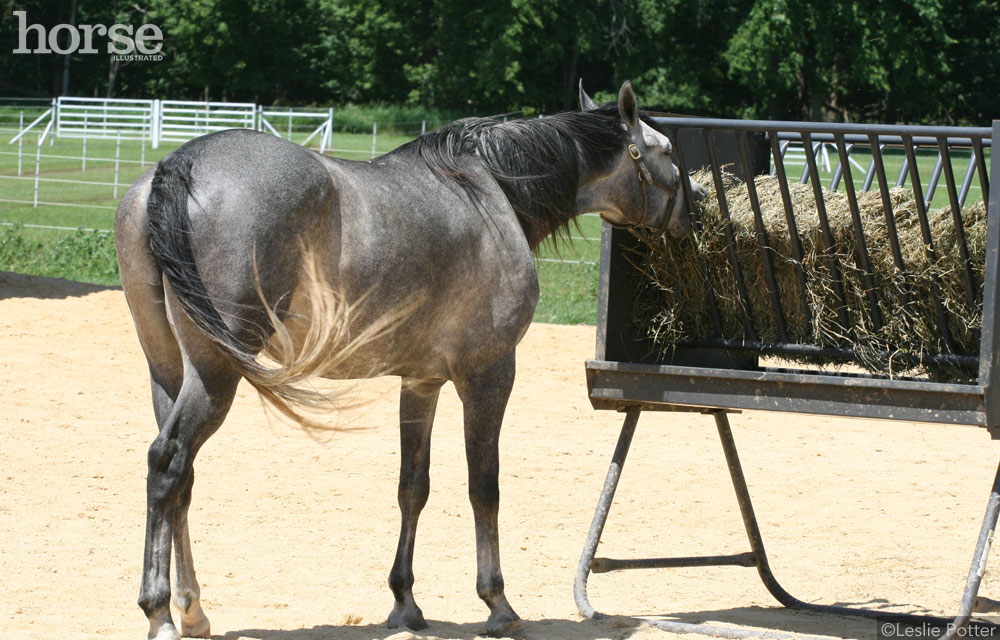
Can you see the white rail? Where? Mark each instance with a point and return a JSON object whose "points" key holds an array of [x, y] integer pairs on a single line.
{"points": [[179, 120]]}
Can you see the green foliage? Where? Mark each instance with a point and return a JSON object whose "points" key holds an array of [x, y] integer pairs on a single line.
{"points": [[401, 118], [843, 60], [87, 256], [906, 60]]}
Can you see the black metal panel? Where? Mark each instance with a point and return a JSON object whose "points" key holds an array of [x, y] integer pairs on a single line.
{"points": [[614, 385]]}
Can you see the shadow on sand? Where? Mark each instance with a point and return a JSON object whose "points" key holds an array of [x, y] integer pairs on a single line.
{"points": [[776, 621], [19, 285], [564, 629]]}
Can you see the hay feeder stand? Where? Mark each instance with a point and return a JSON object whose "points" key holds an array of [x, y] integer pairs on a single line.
{"points": [[719, 376]]}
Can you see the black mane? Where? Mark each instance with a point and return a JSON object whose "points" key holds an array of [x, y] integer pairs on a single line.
{"points": [[536, 162]]}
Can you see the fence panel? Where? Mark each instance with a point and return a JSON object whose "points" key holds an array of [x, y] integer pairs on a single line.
{"points": [[101, 118], [180, 120]]}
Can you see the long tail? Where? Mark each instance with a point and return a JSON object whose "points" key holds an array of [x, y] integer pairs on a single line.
{"points": [[326, 342]]}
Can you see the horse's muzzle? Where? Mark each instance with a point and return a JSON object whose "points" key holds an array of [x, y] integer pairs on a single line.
{"points": [[678, 220]]}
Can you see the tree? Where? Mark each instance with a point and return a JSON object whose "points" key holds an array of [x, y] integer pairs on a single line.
{"points": [[840, 59]]}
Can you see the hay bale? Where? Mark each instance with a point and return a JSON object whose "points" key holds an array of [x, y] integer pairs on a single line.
{"points": [[673, 304]]}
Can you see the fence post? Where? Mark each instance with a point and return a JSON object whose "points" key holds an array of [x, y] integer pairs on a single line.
{"points": [[423, 127], [118, 150], [83, 163], [329, 128], [38, 154], [38, 162], [20, 143], [55, 112], [374, 136], [289, 123], [155, 116]]}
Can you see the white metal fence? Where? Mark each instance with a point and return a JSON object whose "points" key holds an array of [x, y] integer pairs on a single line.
{"points": [[324, 130], [160, 120], [179, 120], [100, 118]]}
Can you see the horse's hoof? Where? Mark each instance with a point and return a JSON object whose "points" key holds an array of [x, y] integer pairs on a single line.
{"points": [[166, 631], [505, 625], [410, 617], [200, 629]]}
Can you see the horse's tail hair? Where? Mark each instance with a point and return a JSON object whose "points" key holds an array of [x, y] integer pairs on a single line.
{"points": [[292, 355], [304, 347]]}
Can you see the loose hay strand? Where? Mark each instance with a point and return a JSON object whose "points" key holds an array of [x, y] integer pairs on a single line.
{"points": [[885, 315]]}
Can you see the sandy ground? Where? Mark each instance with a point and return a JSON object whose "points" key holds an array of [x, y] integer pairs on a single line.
{"points": [[293, 537]]}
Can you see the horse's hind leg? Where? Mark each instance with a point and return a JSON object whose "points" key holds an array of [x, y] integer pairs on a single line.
{"points": [[186, 593], [417, 403], [166, 378], [191, 396], [200, 407], [484, 398]]}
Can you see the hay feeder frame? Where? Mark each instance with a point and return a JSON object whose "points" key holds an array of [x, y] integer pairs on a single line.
{"points": [[719, 377]]}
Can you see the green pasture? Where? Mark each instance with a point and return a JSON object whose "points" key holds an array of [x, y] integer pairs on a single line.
{"points": [[567, 273]]}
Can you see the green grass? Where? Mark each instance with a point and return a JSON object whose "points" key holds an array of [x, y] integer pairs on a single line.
{"points": [[568, 282], [86, 256], [568, 293]]}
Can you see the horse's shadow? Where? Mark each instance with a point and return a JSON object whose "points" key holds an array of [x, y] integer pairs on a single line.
{"points": [[777, 620], [577, 629]]}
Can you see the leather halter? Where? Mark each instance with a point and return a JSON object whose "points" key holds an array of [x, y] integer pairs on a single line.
{"points": [[646, 178]]}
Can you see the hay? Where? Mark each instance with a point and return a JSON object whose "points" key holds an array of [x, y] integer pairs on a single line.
{"points": [[672, 306]]}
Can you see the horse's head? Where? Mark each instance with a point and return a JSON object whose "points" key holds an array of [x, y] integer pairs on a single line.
{"points": [[643, 186]]}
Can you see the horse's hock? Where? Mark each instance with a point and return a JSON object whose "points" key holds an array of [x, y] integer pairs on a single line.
{"points": [[813, 300]]}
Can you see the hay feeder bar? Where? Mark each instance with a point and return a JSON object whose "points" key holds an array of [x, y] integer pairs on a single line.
{"points": [[718, 375]]}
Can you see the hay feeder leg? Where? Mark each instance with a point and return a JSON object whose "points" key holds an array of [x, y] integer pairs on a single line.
{"points": [[756, 557]]}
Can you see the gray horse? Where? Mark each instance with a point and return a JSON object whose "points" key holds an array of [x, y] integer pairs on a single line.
{"points": [[240, 245]]}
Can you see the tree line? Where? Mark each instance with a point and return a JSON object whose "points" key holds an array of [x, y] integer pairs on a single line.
{"points": [[924, 61]]}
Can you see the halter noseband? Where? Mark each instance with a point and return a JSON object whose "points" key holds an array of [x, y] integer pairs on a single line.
{"points": [[646, 178]]}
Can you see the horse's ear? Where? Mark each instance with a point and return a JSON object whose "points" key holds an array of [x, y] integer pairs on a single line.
{"points": [[586, 102], [628, 106]]}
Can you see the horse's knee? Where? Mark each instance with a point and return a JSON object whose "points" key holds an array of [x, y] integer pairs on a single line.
{"points": [[413, 491], [484, 492]]}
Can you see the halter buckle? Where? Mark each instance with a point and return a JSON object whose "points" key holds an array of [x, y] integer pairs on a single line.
{"points": [[633, 151]]}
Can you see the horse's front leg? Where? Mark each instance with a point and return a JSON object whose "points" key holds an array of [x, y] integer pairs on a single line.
{"points": [[484, 397], [417, 403]]}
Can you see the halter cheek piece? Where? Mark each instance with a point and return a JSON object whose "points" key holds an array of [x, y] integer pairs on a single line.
{"points": [[646, 178]]}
